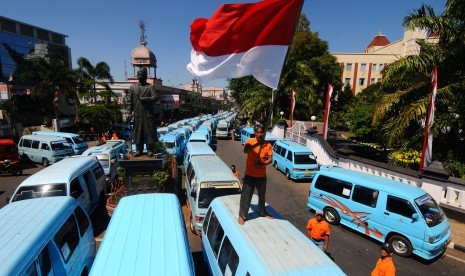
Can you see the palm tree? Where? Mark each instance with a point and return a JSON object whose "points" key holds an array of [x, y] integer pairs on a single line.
{"points": [[90, 76], [408, 80]]}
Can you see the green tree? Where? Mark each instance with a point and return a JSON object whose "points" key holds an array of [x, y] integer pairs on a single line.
{"points": [[90, 76]]}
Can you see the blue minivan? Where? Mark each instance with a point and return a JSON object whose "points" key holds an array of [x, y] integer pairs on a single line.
{"points": [[174, 143], [247, 133], [78, 143], [294, 159], [404, 216]]}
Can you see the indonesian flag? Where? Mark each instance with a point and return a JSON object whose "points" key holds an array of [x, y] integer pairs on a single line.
{"points": [[292, 104], [10, 78], [327, 107], [427, 151], [244, 39]]}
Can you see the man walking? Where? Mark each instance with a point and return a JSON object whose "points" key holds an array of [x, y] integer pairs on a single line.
{"points": [[259, 155], [385, 265], [318, 230]]}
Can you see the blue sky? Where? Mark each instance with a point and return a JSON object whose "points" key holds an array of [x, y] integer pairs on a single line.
{"points": [[108, 30]]}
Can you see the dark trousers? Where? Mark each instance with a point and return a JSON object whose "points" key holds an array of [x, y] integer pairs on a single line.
{"points": [[250, 183]]}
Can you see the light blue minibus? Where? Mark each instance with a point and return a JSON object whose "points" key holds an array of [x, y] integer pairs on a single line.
{"points": [[196, 149], [294, 159], [406, 217], [78, 143], [261, 246], [146, 236], [45, 236], [174, 143], [247, 133]]}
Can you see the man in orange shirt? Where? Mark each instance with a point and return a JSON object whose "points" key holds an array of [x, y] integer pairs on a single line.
{"points": [[385, 265], [259, 155], [318, 230], [233, 169]]}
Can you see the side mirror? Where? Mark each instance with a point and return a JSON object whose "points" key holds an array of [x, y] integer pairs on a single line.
{"points": [[415, 216]]}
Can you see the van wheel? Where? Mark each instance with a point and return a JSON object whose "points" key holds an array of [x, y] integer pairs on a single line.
{"points": [[191, 226], [332, 216], [45, 162], [276, 165], [288, 174], [400, 245]]}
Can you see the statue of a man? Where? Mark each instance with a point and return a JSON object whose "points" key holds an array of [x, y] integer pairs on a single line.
{"points": [[141, 97]]}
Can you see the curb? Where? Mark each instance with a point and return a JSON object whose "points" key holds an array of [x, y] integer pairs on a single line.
{"points": [[457, 247]]}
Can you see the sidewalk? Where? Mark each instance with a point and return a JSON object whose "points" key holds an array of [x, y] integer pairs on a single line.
{"points": [[457, 228]]}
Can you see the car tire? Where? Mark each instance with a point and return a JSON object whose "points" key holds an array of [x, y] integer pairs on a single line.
{"points": [[288, 174], [191, 225], [331, 216], [45, 162], [276, 165], [400, 245]]}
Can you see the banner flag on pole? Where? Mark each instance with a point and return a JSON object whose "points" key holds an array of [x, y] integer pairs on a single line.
{"points": [[244, 39], [292, 105], [427, 151], [327, 107]]}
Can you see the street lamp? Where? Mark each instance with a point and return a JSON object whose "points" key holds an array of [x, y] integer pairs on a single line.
{"points": [[313, 118], [281, 113]]}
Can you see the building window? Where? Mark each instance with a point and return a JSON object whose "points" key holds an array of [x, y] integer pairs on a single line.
{"points": [[381, 67], [363, 67], [58, 39], [374, 67], [347, 81], [8, 25], [26, 30], [372, 80], [361, 81], [349, 67], [43, 35]]}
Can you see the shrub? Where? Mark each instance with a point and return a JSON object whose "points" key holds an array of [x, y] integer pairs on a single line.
{"points": [[407, 158], [457, 168]]}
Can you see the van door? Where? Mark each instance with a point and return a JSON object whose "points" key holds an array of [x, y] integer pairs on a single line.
{"points": [[79, 191]]}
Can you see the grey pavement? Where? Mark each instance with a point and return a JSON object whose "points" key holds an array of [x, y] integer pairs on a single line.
{"points": [[457, 227]]}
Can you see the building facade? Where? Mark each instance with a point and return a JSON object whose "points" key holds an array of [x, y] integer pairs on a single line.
{"points": [[360, 70]]}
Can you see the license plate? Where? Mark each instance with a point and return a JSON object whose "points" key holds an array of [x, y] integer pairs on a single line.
{"points": [[308, 173]]}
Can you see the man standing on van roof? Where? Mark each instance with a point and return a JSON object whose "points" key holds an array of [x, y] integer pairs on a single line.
{"points": [[141, 98], [259, 154], [385, 265], [318, 230]]}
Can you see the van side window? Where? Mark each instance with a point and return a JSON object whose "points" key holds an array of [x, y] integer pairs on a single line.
{"points": [[289, 155], [98, 171], [27, 143], [75, 188], [45, 264], [83, 221], [44, 146], [35, 144], [399, 206], [207, 218], [67, 238], [334, 186], [215, 234], [228, 259], [31, 270], [283, 152], [365, 196]]}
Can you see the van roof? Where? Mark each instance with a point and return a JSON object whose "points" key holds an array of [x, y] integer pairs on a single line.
{"points": [[211, 168], [296, 146], [63, 171], [54, 133], [248, 129], [279, 247], [198, 136], [372, 181], [199, 148], [41, 137], [26, 226], [98, 149], [140, 247], [170, 136]]}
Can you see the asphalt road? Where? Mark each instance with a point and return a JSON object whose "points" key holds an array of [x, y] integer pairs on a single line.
{"points": [[353, 252]]}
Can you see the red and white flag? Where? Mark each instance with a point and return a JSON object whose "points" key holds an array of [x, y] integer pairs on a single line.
{"points": [[427, 151], [10, 78], [327, 107], [244, 39], [292, 105]]}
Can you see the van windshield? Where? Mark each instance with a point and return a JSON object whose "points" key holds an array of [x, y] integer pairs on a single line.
{"points": [[212, 190], [103, 160], [78, 140], [430, 210], [41, 190], [169, 145], [56, 146], [222, 128], [303, 159]]}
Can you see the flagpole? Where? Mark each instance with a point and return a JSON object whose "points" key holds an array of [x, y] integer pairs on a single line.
{"points": [[274, 94]]}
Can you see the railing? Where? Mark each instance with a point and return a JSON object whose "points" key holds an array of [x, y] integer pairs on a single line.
{"points": [[449, 193]]}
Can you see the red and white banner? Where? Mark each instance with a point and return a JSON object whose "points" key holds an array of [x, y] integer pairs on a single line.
{"points": [[327, 108], [292, 105], [244, 39], [427, 151]]}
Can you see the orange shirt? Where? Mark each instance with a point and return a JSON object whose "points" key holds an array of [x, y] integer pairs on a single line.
{"points": [[114, 137], [236, 174], [250, 168], [384, 267], [318, 230]]}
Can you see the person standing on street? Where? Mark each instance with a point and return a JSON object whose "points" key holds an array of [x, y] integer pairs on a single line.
{"points": [[233, 169], [259, 155], [141, 98], [318, 231], [385, 265]]}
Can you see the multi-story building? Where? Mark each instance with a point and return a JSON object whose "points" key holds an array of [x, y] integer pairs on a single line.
{"points": [[360, 70]]}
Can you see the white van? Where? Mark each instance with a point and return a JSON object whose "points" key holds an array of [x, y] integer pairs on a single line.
{"points": [[44, 149], [80, 177], [196, 149], [45, 236], [78, 143], [109, 157]]}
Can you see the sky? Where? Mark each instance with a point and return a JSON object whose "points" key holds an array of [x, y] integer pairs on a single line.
{"points": [[108, 30]]}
